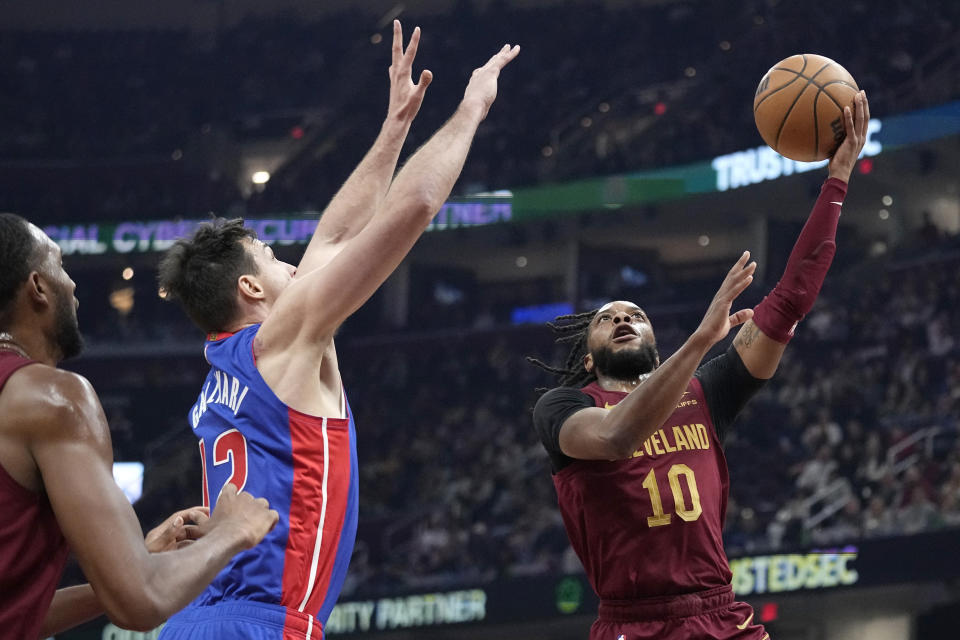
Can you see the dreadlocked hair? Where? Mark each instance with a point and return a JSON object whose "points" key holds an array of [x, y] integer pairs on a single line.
{"points": [[570, 329]]}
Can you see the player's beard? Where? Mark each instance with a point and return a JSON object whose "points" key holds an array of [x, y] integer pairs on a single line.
{"points": [[626, 364], [66, 329]]}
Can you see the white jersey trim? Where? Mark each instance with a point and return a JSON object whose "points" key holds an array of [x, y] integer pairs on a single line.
{"points": [[323, 514]]}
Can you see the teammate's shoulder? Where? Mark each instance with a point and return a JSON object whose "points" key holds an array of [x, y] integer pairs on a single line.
{"points": [[49, 392]]}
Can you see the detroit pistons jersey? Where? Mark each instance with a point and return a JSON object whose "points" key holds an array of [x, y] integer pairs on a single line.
{"points": [[305, 466], [650, 525]]}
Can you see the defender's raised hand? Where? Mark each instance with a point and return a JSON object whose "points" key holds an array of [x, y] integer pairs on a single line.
{"points": [[718, 321], [405, 96], [855, 123], [482, 88]]}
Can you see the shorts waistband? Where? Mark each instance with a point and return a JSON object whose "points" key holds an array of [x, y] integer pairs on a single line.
{"points": [[681, 606], [259, 612]]}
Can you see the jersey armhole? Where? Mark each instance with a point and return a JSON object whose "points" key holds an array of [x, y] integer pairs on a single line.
{"points": [[697, 387]]}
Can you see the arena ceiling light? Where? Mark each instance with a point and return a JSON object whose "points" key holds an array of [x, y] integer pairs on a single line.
{"points": [[260, 177]]}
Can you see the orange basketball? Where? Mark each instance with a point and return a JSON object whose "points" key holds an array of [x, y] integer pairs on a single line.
{"points": [[799, 105]]}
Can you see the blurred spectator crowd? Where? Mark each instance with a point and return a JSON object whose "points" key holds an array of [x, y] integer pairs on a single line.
{"points": [[101, 125], [856, 436]]}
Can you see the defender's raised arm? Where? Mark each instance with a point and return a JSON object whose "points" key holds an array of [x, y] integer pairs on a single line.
{"points": [[314, 305], [362, 194]]}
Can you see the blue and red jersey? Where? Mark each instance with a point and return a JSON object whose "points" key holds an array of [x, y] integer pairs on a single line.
{"points": [[305, 466]]}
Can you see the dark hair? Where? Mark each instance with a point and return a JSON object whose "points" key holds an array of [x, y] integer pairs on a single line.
{"points": [[571, 328], [18, 257], [201, 272]]}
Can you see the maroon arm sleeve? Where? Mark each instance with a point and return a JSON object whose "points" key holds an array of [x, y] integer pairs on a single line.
{"points": [[793, 297]]}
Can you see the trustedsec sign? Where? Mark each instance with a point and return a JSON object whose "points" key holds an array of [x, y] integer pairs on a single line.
{"points": [[757, 575], [753, 166], [723, 173]]}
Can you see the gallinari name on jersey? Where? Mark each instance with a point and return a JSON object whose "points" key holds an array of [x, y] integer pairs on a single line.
{"points": [[226, 391]]}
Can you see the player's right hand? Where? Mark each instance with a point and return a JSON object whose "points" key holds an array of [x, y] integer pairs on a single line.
{"points": [[855, 122], [249, 518], [717, 322], [405, 96], [482, 89]]}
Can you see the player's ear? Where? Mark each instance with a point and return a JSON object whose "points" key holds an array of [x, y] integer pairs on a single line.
{"points": [[38, 289], [588, 362], [250, 287]]}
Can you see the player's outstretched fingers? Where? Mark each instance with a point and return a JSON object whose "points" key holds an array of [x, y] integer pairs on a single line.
{"points": [[862, 115], [396, 51], [412, 47], [849, 124], [866, 112], [740, 286], [507, 54], [736, 271], [739, 264], [501, 58]]}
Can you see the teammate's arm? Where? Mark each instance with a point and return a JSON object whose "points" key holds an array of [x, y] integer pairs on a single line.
{"points": [[313, 306], [762, 340], [612, 434], [72, 606], [69, 439], [363, 192]]}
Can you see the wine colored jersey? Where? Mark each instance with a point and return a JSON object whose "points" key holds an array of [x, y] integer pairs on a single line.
{"points": [[305, 466], [650, 525], [33, 550]]}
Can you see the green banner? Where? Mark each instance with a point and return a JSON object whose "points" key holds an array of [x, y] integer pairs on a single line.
{"points": [[723, 173]]}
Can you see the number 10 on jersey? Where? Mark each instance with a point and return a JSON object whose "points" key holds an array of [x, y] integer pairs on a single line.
{"points": [[687, 514]]}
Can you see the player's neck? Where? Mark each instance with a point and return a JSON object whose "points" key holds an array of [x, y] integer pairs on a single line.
{"points": [[29, 344], [608, 383]]}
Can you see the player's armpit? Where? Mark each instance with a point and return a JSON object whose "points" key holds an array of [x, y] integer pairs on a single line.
{"points": [[760, 354], [582, 437]]}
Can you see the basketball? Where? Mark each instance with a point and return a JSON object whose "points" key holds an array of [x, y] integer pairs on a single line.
{"points": [[798, 106]]}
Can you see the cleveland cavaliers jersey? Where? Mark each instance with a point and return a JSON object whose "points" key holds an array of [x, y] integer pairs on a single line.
{"points": [[33, 551], [305, 466], [650, 525]]}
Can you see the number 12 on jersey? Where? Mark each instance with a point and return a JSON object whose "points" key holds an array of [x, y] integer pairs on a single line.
{"points": [[230, 446], [677, 471]]}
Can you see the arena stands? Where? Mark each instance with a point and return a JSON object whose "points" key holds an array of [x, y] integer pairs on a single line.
{"points": [[857, 436], [93, 127]]}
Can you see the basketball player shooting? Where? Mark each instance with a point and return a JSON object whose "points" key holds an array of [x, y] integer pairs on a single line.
{"points": [[56, 478], [272, 416], [635, 445]]}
